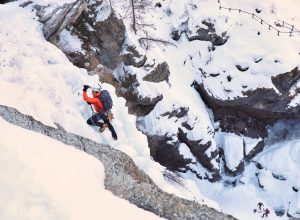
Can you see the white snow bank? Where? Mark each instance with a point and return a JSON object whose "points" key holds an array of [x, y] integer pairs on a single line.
{"points": [[233, 147], [44, 179]]}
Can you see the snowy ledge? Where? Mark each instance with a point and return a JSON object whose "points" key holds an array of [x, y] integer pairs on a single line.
{"points": [[122, 177]]}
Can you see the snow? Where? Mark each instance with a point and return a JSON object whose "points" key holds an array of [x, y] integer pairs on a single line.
{"points": [[69, 42], [41, 82], [250, 143], [233, 147], [45, 179]]}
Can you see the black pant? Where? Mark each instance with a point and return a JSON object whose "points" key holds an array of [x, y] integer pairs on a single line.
{"points": [[94, 120]]}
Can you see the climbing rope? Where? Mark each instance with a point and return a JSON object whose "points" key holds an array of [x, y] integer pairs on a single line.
{"points": [[292, 31]]}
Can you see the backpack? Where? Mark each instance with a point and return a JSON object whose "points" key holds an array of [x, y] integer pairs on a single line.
{"points": [[106, 99]]}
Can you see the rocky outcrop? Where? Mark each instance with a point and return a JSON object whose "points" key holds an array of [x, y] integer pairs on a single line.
{"points": [[198, 149], [285, 81], [251, 114], [57, 19], [137, 105], [208, 34], [132, 57], [122, 177], [102, 37], [167, 154], [159, 74]]}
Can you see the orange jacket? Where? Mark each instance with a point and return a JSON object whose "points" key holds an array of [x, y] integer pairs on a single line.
{"points": [[98, 105]]}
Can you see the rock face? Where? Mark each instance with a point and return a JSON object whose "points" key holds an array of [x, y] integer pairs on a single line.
{"points": [[251, 115], [55, 20], [122, 176], [208, 34], [159, 74]]}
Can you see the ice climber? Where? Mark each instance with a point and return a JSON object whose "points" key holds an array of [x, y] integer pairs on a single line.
{"points": [[102, 104]]}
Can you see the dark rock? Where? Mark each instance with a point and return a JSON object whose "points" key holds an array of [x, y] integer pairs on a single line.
{"points": [[102, 40], [278, 177], [6, 1], [229, 78], [178, 113], [231, 183], [238, 170], [176, 34], [242, 69], [284, 82], [77, 59], [257, 149], [166, 154], [258, 10], [131, 57], [209, 34], [279, 211], [137, 105], [25, 4], [258, 165], [110, 35], [159, 74], [198, 150], [187, 126], [122, 177], [258, 181], [57, 20], [214, 74], [296, 189], [258, 109], [158, 4], [258, 60]]}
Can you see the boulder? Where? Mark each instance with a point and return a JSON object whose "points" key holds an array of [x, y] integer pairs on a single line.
{"points": [[57, 19], [132, 57], [198, 149], [209, 34], [159, 74]]}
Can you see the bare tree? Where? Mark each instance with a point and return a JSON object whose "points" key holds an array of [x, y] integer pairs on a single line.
{"points": [[133, 10]]}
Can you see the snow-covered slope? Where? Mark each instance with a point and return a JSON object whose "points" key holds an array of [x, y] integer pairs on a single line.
{"points": [[37, 79], [44, 179]]}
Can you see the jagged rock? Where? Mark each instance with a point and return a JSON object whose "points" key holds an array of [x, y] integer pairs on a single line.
{"points": [[257, 149], [187, 126], [209, 34], [122, 177], [259, 108], [167, 154], [176, 34], [238, 170], [110, 35], [77, 59], [178, 113], [59, 18], [198, 150], [285, 81], [137, 105], [133, 57], [102, 38], [159, 74]]}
